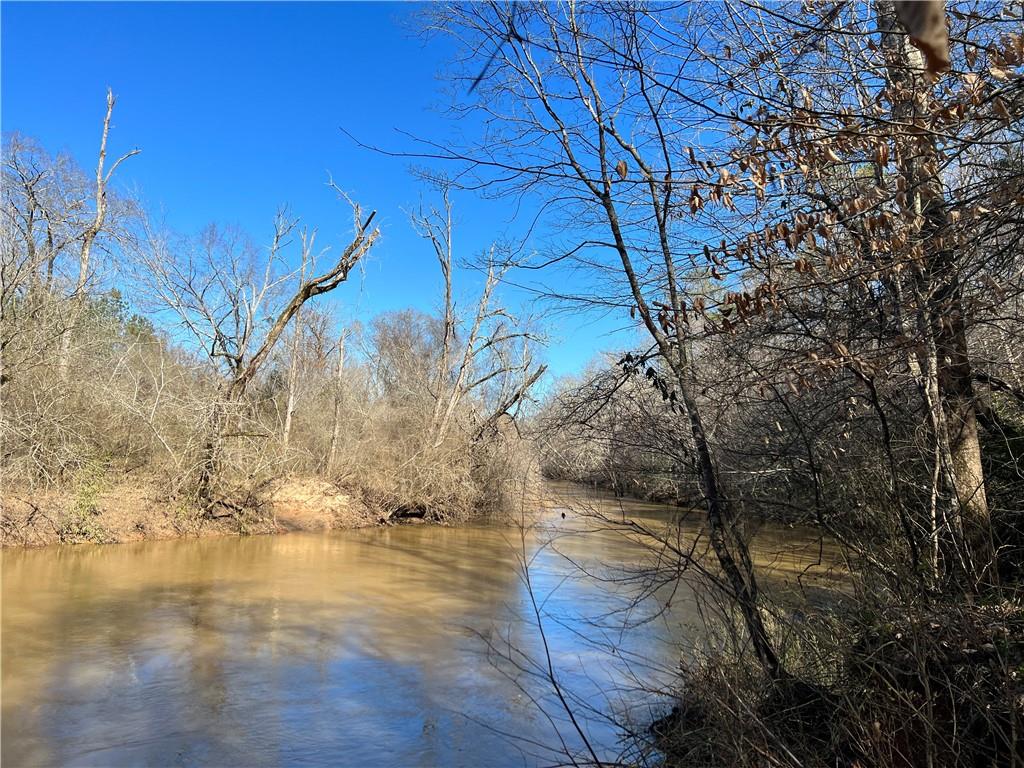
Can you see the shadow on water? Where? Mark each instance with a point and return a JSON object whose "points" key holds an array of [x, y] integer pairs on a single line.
{"points": [[361, 647]]}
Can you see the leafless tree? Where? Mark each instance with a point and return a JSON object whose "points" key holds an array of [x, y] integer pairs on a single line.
{"points": [[308, 239], [96, 226], [221, 289], [493, 351]]}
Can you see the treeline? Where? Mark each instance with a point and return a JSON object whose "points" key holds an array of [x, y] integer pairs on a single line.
{"points": [[613, 430], [206, 367], [818, 233]]}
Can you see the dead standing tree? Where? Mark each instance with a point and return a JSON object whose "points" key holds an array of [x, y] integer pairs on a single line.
{"points": [[338, 400], [493, 352], [55, 217], [92, 231], [223, 294], [307, 238]]}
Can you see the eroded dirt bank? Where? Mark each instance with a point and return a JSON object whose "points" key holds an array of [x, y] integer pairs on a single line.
{"points": [[32, 518]]}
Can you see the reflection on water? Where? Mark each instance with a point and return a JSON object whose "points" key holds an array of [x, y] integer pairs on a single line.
{"points": [[356, 648]]}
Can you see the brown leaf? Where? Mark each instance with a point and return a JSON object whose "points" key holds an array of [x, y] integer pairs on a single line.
{"points": [[925, 21], [696, 201], [999, 107]]}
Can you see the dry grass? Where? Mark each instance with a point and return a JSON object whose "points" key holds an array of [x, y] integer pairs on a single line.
{"points": [[938, 686]]}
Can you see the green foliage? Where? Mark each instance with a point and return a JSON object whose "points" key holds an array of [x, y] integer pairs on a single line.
{"points": [[80, 523], [111, 315]]}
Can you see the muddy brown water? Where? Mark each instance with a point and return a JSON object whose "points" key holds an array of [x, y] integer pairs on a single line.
{"points": [[412, 645]]}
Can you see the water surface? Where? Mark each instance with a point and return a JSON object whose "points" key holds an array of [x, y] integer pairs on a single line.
{"points": [[411, 645]]}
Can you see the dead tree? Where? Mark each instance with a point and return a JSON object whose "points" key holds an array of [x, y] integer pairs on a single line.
{"points": [[338, 402], [92, 231], [220, 290], [308, 239], [486, 352]]}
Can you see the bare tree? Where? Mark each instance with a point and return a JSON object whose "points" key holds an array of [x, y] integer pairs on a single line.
{"points": [[586, 154], [338, 399], [221, 290], [53, 216], [492, 348], [95, 227], [308, 239]]}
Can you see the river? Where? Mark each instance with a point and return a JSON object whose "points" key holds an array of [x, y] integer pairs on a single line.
{"points": [[410, 645]]}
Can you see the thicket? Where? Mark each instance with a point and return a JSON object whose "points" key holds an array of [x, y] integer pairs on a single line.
{"points": [[212, 366]]}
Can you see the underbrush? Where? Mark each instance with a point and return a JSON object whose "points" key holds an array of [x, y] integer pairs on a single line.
{"points": [[904, 686], [387, 481], [460, 480]]}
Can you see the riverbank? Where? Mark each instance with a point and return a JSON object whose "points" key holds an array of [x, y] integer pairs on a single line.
{"points": [[142, 511]]}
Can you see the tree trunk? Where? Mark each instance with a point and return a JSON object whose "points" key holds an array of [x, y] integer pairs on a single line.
{"points": [[293, 381], [939, 287], [208, 463], [77, 303], [726, 540], [729, 546], [338, 392]]}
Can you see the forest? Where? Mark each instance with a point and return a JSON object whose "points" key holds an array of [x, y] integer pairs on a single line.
{"points": [[810, 215], [138, 358]]}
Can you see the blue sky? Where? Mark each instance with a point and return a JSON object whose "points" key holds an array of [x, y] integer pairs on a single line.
{"points": [[238, 107]]}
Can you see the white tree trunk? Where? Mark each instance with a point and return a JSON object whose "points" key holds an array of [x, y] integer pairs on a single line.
{"points": [[332, 454]]}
